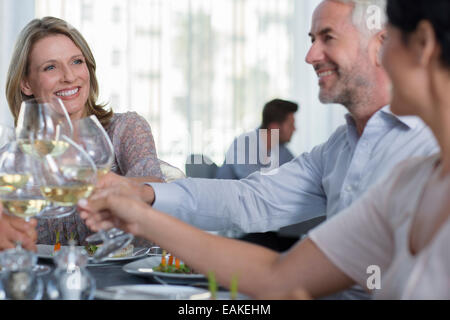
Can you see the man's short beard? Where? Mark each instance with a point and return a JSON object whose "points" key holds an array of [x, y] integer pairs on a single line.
{"points": [[351, 93]]}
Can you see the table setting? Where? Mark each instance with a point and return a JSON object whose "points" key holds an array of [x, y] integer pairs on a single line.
{"points": [[47, 164]]}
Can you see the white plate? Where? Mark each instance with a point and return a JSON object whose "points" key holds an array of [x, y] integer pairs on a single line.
{"points": [[152, 292], [45, 251], [145, 267]]}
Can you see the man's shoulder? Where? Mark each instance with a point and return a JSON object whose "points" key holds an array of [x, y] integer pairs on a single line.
{"points": [[338, 137]]}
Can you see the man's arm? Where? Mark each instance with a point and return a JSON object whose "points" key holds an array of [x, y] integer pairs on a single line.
{"points": [[260, 203], [291, 194]]}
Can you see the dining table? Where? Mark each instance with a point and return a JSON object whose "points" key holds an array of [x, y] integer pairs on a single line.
{"points": [[112, 274]]}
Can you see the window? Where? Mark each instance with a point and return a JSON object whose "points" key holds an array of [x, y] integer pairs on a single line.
{"points": [[200, 71]]}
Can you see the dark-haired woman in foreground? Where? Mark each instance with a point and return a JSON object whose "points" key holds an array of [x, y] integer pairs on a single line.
{"points": [[399, 232]]}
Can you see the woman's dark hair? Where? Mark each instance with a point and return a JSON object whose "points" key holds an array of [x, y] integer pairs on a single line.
{"points": [[277, 111], [407, 14]]}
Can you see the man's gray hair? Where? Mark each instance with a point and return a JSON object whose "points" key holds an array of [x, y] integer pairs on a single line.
{"points": [[369, 16]]}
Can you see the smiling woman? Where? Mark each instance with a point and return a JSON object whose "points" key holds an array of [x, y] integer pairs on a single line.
{"points": [[52, 59]]}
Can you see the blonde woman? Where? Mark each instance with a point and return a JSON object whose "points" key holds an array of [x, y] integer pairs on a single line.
{"points": [[51, 58]]}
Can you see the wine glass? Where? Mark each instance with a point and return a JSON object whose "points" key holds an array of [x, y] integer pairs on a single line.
{"points": [[19, 191], [170, 173], [21, 197], [67, 178], [90, 134], [41, 124], [92, 137], [6, 135]]}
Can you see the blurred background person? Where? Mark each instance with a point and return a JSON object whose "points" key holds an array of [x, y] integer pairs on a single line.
{"points": [[253, 151], [244, 156]]}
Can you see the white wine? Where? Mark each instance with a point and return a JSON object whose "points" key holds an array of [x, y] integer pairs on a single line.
{"points": [[41, 148], [67, 196], [24, 208], [84, 173], [102, 171], [79, 173], [11, 182]]}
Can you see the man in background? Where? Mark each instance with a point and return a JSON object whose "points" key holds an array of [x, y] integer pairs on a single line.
{"points": [[255, 150]]}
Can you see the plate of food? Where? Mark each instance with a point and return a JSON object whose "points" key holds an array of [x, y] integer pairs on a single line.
{"points": [[128, 253], [164, 269]]}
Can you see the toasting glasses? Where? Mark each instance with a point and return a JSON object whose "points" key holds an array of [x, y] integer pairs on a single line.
{"points": [[19, 192], [90, 135], [40, 127]]}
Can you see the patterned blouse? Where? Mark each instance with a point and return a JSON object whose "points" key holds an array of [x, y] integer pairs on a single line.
{"points": [[135, 156]]}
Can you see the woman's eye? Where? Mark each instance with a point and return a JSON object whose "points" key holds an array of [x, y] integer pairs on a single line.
{"points": [[78, 61], [48, 68]]}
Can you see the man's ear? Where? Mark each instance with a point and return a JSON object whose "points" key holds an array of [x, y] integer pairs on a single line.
{"points": [[422, 42], [380, 41], [25, 87]]}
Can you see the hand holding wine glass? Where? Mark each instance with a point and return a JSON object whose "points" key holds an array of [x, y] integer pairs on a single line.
{"points": [[20, 198]]}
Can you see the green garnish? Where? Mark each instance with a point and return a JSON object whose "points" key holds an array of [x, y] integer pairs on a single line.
{"points": [[90, 248], [212, 285], [234, 287]]}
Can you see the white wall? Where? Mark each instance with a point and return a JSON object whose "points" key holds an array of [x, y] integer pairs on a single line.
{"points": [[14, 15]]}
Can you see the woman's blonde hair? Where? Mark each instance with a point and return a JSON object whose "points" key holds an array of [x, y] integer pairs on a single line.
{"points": [[36, 30]]}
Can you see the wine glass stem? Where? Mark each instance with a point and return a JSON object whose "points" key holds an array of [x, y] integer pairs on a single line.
{"points": [[103, 235]]}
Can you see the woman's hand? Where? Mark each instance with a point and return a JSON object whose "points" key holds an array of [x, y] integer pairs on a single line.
{"points": [[14, 230]]}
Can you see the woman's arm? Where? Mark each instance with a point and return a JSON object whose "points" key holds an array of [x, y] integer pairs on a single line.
{"points": [[135, 147], [260, 271]]}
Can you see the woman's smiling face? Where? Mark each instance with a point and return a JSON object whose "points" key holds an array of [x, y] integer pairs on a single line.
{"points": [[57, 67]]}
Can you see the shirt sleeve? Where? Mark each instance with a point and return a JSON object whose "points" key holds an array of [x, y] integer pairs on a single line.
{"points": [[135, 147], [360, 236], [262, 202]]}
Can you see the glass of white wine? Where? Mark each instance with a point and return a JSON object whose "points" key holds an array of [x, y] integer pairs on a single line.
{"points": [[92, 137], [67, 178], [170, 173], [19, 191], [40, 127]]}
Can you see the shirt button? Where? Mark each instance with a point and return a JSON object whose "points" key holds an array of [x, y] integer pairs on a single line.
{"points": [[349, 189]]}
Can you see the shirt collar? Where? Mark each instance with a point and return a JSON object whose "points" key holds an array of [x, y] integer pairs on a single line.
{"points": [[410, 121]]}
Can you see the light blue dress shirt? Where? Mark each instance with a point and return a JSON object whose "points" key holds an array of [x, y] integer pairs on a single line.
{"points": [[321, 182], [234, 170]]}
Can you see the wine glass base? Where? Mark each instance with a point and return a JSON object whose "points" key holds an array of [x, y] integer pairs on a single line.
{"points": [[56, 212], [110, 246]]}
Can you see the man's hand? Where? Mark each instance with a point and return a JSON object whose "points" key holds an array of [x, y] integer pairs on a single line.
{"points": [[130, 187], [14, 229]]}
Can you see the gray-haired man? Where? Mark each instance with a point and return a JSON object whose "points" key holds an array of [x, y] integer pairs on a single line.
{"points": [[347, 40]]}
